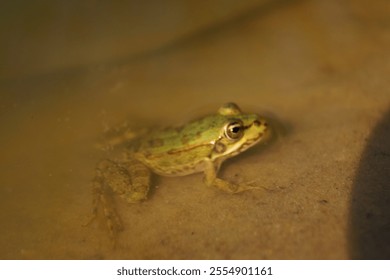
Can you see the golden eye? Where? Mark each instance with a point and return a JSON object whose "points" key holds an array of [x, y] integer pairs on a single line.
{"points": [[234, 130]]}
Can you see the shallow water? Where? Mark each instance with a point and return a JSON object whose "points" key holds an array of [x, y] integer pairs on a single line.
{"points": [[320, 68]]}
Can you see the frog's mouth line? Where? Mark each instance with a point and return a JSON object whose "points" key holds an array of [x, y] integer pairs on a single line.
{"points": [[251, 142]]}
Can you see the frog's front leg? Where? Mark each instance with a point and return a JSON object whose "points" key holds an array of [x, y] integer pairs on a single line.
{"points": [[130, 180], [211, 179]]}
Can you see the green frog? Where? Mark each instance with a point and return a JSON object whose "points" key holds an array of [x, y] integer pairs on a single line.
{"points": [[199, 146]]}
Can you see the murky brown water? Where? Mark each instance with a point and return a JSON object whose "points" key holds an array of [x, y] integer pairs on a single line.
{"points": [[319, 67]]}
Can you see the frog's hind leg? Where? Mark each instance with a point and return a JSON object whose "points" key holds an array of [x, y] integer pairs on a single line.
{"points": [[140, 182], [129, 179], [102, 196]]}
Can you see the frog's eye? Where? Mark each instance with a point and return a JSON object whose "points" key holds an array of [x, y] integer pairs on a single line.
{"points": [[234, 130]]}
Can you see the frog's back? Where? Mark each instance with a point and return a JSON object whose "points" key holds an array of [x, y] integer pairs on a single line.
{"points": [[179, 151]]}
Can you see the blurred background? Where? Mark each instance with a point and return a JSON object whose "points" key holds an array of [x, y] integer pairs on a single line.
{"points": [[318, 69], [49, 36]]}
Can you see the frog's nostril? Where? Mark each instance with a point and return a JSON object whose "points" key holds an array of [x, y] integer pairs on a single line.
{"points": [[260, 123]]}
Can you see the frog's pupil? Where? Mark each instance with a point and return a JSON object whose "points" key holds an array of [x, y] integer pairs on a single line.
{"points": [[236, 129]]}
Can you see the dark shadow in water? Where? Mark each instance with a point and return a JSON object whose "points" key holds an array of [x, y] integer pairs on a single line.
{"points": [[216, 29], [370, 209], [195, 37]]}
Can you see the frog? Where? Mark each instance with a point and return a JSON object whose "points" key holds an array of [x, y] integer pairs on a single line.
{"points": [[199, 146]]}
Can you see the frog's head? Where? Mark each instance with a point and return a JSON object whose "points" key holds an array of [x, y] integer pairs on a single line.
{"points": [[239, 132]]}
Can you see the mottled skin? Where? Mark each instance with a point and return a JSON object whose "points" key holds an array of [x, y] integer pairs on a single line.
{"points": [[199, 146]]}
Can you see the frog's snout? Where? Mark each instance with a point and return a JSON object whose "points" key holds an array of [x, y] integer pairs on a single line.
{"points": [[260, 122]]}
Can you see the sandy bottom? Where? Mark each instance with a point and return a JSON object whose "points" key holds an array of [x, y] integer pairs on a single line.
{"points": [[318, 69]]}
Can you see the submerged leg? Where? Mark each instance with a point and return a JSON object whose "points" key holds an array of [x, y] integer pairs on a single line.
{"points": [[140, 182], [130, 181]]}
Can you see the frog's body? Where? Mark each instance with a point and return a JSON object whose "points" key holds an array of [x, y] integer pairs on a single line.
{"points": [[199, 146]]}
